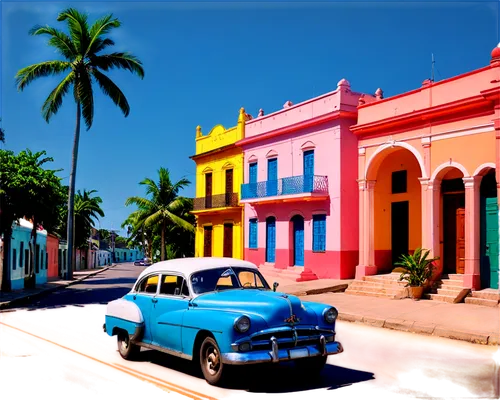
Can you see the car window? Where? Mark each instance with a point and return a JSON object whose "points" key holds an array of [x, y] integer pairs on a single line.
{"points": [[148, 284], [225, 278], [173, 285], [250, 279]]}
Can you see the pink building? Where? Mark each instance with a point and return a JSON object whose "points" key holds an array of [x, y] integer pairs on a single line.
{"points": [[300, 190]]}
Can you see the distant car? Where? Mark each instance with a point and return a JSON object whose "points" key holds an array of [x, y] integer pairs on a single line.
{"points": [[218, 312], [144, 262], [139, 261]]}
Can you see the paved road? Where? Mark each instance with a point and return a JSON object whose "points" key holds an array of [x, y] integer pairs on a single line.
{"points": [[371, 354]]}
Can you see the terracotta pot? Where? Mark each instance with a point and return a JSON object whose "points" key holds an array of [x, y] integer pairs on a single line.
{"points": [[416, 292]]}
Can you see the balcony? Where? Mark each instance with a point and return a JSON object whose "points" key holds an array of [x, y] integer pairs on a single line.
{"points": [[289, 188], [215, 201]]}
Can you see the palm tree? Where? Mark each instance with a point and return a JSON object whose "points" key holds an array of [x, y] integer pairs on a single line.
{"points": [[2, 133], [165, 207], [87, 211], [83, 64]]}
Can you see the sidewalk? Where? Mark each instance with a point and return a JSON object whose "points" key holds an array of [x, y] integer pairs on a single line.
{"points": [[468, 322], [16, 297]]}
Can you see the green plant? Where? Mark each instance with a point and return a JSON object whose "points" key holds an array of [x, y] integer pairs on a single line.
{"points": [[417, 267]]}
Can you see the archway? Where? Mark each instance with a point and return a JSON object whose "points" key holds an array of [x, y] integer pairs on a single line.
{"points": [[488, 230], [393, 175], [297, 240], [452, 237], [270, 239]]}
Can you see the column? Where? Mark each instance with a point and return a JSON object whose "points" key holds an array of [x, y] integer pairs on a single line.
{"points": [[366, 230], [472, 233], [433, 212]]}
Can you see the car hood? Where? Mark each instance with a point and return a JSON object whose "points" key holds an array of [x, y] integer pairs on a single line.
{"points": [[273, 307]]}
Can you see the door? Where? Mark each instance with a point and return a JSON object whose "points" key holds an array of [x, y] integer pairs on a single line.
{"points": [[452, 203], [168, 311], [489, 243], [229, 187], [208, 190], [270, 240], [308, 171], [228, 240], [298, 240], [400, 221], [144, 298], [460, 241], [207, 241], [272, 177]]}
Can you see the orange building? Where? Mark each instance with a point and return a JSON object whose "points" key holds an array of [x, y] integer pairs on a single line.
{"points": [[429, 164]]}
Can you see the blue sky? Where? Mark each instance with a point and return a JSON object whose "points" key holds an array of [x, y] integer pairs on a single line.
{"points": [[205, 60]]}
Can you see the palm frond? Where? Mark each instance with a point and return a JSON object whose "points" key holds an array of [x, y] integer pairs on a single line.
{"points": [[112, 91], [139, 201], [180, 222], [101, 27], [47, 68], [85, 96], [78, 28], [119, 60], [55, 98], [59, 40]]}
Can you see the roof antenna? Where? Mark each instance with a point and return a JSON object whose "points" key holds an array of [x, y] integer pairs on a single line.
{"points": [[432, 70]]}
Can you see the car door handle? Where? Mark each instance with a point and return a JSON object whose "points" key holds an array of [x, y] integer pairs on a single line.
{"points": [[154, 300]]}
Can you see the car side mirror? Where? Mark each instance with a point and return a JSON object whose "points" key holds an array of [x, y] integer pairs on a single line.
{"points": [[275, 286]]}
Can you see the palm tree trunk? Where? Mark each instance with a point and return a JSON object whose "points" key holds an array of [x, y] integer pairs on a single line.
{"points": [[71, 198], [163, 228]]}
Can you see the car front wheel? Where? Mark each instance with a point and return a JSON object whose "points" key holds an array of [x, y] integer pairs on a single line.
{"points": [[211, 361], [312, 366], [127, 349]]}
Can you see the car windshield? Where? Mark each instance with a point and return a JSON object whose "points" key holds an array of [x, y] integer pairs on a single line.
{"points": [[226, 278]]}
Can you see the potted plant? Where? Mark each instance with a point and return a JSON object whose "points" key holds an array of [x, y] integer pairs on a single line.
{"points": [[417, 270]]}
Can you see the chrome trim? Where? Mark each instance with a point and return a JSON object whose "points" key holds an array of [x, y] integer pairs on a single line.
{"points": [[235, 323], [164, 350], [322, 345], [264, 356], [274, 350]]}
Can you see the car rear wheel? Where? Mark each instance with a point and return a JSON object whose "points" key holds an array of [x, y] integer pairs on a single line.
{"points": [[211, 361], [312, 366], [127, 349]]}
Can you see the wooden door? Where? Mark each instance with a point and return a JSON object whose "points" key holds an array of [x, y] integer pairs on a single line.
{"points": [[229, 186], [270, 239], [308, 170], [460, 240], [298, 241], [208, 190], [228, 240], [272, 177], [207, 241], [400, 225]]}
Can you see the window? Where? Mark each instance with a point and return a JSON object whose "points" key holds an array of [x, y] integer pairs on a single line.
{"points": [[46, 260], [252, 244], [21, 253], [173, 285], [319, 233], [399, 182], [14, 258], [252, 172], [26, 261], [148, 285]]}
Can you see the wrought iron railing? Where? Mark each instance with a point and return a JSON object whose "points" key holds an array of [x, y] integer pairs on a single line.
{"points": [[285, 186], [216, 201]]}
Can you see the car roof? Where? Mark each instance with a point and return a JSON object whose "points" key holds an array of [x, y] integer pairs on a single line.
{"points": [[189, 265]]}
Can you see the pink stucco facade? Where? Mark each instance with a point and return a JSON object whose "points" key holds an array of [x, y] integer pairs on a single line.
{"points": [[319, 125]]}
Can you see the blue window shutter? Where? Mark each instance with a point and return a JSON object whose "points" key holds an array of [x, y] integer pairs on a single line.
{"points": [[253, 234], [253, 172], [319, 232]]}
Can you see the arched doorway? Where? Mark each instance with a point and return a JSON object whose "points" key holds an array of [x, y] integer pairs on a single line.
{"points": [[393, 178], [489, 231], [298, 240], [270, 239]]}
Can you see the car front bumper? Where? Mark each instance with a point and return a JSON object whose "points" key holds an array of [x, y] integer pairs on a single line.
{"points": [[276, 354]]}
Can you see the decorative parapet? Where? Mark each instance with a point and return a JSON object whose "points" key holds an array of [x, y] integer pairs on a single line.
{"points": [[220, 136], [290, 185]]}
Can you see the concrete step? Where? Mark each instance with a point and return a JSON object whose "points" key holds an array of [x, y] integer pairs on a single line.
{"points": [[454, 277], [386, 281], [364, 293], [374, 284], [448, 292], [451, 285], [439, 297], [385, 277], [481, 302], [487, 294]]}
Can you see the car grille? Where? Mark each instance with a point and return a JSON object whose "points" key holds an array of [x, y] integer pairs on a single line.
{"points": [[286, 337]]}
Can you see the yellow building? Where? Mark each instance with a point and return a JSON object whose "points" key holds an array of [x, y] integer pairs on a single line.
{"points": [[219, 175]]}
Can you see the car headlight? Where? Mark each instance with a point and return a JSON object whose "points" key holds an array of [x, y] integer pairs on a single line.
{"points": [[242, 324], [330, 315]]}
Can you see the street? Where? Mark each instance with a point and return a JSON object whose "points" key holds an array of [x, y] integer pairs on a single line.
{"points": [[57, 346]]}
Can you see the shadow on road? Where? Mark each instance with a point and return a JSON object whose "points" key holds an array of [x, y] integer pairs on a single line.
{"points": [[112, 281], [267, 378]]}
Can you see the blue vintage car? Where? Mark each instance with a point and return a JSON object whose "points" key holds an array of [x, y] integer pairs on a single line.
{"points": [[219, 312]]}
